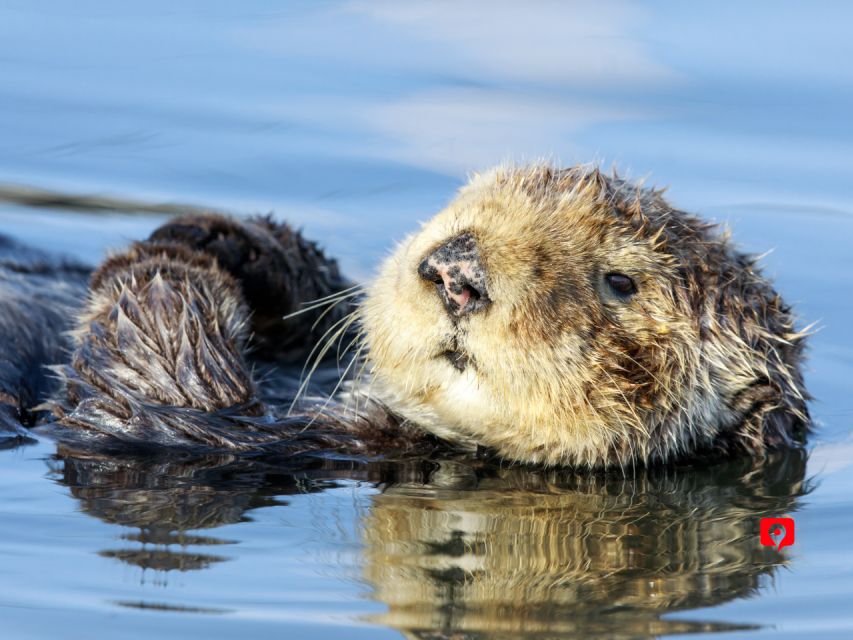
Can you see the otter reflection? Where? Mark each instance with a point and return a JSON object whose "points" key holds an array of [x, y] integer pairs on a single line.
{"points": [[464, 548], [516, 551], [167, 496]]}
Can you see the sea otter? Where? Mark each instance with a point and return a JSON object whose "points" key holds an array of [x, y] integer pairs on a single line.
{"points": [[552, 316]]}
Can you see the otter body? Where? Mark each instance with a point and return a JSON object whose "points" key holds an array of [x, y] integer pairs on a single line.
{"points": [[39, 295], [554, 316]]}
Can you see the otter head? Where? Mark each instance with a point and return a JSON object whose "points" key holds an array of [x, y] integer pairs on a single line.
{"points": [[565, 317]]}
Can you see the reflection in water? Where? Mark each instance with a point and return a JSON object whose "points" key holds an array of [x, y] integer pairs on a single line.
{"points": [[163, 500], [166, 497], [465, 548], [520, 551]]}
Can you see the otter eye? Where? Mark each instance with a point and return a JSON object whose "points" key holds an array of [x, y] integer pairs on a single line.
{"points": [[621, 284]]}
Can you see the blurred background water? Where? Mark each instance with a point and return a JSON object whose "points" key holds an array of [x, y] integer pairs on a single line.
{"points": [[355, 120]]}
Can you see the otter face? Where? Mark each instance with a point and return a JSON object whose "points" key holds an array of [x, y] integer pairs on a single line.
{"points": [[544, 315]]}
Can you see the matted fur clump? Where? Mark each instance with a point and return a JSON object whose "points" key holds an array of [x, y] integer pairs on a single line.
{"points": [[553, 316]]}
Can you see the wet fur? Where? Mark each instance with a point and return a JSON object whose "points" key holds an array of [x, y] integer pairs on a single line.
{"points": [[704, 359]]}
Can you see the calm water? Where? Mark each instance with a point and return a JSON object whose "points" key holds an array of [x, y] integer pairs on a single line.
{"points": [[356, 120]]}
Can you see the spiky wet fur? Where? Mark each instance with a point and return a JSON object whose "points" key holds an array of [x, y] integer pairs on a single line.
{"points": [[704, 356], [163, 326]]}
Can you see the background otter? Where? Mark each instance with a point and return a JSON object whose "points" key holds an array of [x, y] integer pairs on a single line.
{"points": [[556, 316]]}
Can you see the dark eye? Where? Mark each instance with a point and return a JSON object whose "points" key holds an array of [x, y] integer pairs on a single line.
{"points": [[621, 284]]}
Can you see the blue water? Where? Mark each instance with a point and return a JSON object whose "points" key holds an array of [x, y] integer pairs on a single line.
{"points": [[356, 121]]}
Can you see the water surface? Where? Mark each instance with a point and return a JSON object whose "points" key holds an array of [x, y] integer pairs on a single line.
{"points": [[356, 120]]}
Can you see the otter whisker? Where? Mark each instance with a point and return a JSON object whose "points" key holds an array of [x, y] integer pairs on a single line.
{"points": [[355, 393], [341, 353], [344, 323], [325, 312], [330, 300], [377, 364], [333, 296], [319, 345], [321, 354], [333, 392], [354, 287]]}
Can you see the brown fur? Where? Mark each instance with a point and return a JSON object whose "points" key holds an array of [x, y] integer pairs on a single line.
{"points": [[38, 295], [163, 326], [159, 351]]}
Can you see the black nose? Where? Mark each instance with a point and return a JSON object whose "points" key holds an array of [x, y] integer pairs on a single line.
{"points": [[458, 273]]}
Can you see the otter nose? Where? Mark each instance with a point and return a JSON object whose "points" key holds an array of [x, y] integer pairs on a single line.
{"points": [[458, 274]]}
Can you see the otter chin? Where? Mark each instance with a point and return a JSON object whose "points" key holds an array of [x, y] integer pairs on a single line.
{"points": [[562, 316]]}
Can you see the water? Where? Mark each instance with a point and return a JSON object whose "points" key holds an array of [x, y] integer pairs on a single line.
{"points": [[357, 120]]}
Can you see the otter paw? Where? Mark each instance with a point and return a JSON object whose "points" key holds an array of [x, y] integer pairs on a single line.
{"points": [[278, 270]]}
